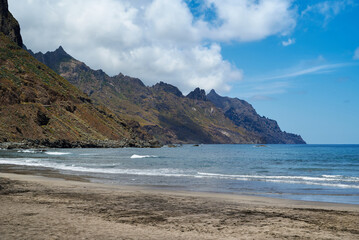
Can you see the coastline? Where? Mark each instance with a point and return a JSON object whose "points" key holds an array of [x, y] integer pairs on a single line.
{"points": [[63, 143], [38, 207]]}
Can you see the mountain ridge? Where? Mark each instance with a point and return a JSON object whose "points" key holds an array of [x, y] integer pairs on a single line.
{"points": [[120, 91]]}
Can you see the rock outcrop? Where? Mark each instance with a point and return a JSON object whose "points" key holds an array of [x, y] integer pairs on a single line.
{"points": [[8, 24], [161, 86], [197, 94]]}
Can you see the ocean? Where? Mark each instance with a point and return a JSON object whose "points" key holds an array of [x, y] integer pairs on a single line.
{"points": [[327, 173]]}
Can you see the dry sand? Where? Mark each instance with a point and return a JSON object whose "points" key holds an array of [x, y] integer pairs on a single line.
{"points": [[34, 207]]}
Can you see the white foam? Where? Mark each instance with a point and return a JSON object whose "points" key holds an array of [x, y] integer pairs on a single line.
{"points": [[142, 156], [26, 151], [292, 179], [338, 185], [32, 162], [58, 153]]}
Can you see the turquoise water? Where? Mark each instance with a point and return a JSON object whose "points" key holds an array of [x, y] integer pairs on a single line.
{"points": [[327, 173]]}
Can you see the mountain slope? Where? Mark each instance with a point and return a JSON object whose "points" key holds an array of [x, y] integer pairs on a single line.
{"points": [[37, 104], [161, 109], [244, 115]]}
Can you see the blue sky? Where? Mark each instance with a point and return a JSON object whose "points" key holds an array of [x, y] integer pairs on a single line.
{"points": [[310, 87], [295, 61]]}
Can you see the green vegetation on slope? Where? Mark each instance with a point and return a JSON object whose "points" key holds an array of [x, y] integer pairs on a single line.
{"points": [[36, 103]]}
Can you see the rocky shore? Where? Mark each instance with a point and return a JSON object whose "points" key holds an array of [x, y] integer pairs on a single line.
{"points": [[46, 143]]}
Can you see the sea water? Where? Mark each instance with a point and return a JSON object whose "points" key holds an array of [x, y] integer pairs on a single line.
{"points": [[328, 173]]}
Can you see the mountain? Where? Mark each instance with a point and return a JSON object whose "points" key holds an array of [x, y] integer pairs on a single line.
{"points": [[245, 116], [38, 105], [163, 110]]}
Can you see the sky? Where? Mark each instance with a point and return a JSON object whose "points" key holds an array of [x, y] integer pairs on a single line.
{"points": [[295, 61]]}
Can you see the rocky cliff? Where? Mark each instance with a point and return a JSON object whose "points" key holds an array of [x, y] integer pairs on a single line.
{"points": [[8, 24], [244, 115]]}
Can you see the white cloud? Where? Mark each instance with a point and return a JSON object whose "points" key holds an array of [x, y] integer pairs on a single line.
{"points": [[248, 20], [356, 54], [290, 41], [155, 40], [312, 70], [328, 9], [282, 80]]}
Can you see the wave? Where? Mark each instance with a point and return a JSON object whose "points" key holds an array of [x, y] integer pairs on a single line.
{"points": [[33, 162], [57, 153], [142, 156], [335, 181], [31, 151], [336, 185], [307, 178]]}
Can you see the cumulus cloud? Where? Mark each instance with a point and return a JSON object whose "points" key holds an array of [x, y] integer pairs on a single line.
{"points": [[290, 41], [356, 54], [155, 40], [249, 20]]}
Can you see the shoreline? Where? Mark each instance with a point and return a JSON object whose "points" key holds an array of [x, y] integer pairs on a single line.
{"points": [[40, 144], [55, 173], [37, 207], [55, 178]]}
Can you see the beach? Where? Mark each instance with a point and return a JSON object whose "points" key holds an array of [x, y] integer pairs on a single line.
{"points": [[38, 207]]}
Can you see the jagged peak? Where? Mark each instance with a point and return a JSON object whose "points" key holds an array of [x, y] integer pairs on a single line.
{"points": [[60, 49], [168, 88], [132, 80], [213, 93], [198, 94]]}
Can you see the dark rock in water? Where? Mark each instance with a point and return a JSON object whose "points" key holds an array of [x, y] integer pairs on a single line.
{"points": [[8, 24], [197, 94]]}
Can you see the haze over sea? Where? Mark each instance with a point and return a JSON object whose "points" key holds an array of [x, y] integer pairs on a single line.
{"points": [[328, 173]]}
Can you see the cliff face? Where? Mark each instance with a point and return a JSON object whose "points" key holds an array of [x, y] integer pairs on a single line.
{"points": [[8, 24], [244, 115]]}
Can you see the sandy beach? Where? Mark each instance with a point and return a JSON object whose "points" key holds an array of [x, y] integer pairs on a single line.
{"points": [[37, 207]]}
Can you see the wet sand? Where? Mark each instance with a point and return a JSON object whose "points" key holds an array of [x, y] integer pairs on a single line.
{"points": [[37, 207]]}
